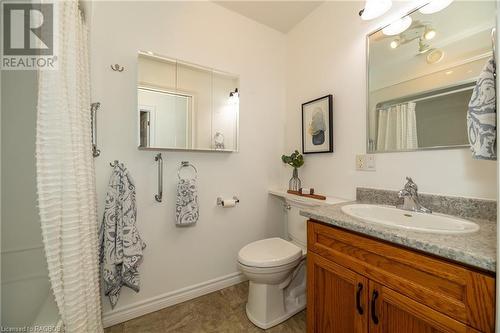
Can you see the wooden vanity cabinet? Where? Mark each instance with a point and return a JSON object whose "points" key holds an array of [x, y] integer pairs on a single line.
{"points": [[360, 284], [338, 298]]}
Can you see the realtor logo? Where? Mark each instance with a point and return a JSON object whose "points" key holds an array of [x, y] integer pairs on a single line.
{"points": [[28, 36]]}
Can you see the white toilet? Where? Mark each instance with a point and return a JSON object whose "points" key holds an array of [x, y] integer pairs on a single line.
{"points": [[277, 272]]}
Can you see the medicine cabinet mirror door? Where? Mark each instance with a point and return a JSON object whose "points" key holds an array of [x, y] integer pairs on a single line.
{"points": [[182, 106]]}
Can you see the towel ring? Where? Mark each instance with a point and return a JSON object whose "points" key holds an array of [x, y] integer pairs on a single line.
{"points": [[185, 164]]}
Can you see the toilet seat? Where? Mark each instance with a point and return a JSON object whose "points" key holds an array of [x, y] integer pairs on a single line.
{"points": [[270, 252]]}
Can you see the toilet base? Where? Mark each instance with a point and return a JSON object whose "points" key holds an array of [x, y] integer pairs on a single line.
{"points": [[275, 321], [269, 305]]}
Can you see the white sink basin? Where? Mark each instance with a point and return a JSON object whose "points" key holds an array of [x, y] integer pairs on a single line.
{"points": [[397, 218]]}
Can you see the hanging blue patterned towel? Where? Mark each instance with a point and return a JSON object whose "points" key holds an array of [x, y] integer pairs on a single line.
{"points": [[481, 115], [187, 209], [121, 245]]}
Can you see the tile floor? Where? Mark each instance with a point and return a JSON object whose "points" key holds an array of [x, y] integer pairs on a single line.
{"points": [[222, 311]]}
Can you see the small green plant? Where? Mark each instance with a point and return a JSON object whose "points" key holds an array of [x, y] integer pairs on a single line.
{"points": [[295, 160]]}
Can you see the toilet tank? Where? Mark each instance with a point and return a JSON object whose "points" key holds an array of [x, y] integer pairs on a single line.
{"points": [[297, 224]]}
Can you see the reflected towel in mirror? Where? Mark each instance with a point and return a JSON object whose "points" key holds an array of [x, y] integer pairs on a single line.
{"points": [[482, 114]]}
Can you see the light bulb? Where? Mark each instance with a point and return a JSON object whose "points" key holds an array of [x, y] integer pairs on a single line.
{"points": [[430, 34], [375, 8], [398, 26], [435, 6], [394, 44]]}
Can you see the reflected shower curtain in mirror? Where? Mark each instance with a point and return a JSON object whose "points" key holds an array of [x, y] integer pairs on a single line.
{"points": [[65, 176], [397, 127]]}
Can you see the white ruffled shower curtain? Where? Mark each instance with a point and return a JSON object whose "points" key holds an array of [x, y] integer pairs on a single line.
{"points": [[65, 176], [397, 128]]}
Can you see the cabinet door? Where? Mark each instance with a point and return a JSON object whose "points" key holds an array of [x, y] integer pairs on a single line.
{"points": [[391, 312], [337, 298]]}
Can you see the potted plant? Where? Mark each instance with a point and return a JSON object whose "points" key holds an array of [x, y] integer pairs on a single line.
{"points": [[295, 160]]}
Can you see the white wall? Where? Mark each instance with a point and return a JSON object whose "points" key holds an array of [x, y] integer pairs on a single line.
{"points": [[326, 54], [207, 34]]}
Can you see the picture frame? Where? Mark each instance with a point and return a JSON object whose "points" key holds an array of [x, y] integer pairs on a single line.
{"points": [[317, 125]]}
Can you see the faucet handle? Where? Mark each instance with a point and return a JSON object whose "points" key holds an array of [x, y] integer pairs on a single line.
{"points": [[411, 187], [410, 182]]}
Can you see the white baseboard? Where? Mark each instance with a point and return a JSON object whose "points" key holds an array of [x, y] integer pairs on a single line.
{"points": [[156, 303]]}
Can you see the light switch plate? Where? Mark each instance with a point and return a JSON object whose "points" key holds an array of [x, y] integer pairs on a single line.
{"points": [[370, 162]]}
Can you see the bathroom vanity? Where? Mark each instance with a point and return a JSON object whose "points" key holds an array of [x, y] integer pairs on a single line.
{"points": [[367, 277]]}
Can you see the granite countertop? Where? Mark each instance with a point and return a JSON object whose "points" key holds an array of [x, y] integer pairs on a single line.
{"points": [[475, 249]]}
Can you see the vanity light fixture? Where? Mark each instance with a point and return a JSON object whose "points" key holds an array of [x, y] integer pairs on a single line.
{"points": [[234, 97], [374, 9], [435, 6], [397, 27], [422, 47], [234, 93]]}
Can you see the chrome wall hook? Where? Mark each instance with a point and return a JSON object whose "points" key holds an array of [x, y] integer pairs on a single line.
{"points": [[117, 68]]}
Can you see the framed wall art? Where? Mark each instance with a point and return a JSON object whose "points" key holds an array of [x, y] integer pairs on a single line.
{"points": [[317, 126]]}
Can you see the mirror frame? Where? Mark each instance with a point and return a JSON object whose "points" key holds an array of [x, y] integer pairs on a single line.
{"points": [[367, 100]]}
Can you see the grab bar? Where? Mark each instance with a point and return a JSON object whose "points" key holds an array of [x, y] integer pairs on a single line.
{"points": [[494, 42], [93, 121], [159, 159]]}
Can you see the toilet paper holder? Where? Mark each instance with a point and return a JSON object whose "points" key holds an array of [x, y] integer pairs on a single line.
{"points": [[220, 201]]}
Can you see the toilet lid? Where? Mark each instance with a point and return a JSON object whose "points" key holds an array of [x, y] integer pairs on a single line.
{"points": [[270, 252]]}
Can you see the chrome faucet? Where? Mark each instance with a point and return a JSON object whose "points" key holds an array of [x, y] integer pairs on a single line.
{"points": [[410, 195]]}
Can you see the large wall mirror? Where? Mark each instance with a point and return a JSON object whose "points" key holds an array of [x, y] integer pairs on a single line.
{"points": [[183, 106], [421, 72]]}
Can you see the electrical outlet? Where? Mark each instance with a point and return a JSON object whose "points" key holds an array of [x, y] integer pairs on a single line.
{"points": [[360, 162], [365, 162]]}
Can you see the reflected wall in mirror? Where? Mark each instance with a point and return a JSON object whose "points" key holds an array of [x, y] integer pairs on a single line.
{"points": [[183, 106], [421, 72]]}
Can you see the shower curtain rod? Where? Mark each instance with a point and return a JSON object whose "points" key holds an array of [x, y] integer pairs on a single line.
{"points": [[425, 96]]}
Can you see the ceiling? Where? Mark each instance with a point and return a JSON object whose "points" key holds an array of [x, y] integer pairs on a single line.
{"points": [[279, 15], [463, 33]]}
